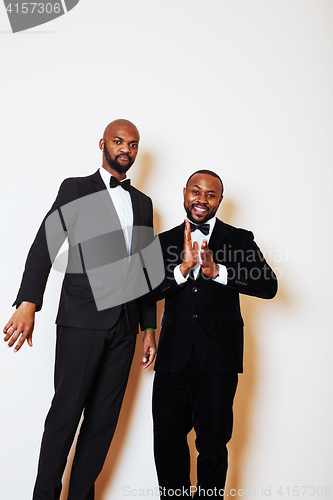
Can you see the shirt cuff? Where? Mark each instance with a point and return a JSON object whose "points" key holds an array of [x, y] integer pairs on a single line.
{"points": [[222, 278], [178, 276], [17, 305]]}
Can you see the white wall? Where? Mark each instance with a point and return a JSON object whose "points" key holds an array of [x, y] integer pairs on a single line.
{"points": [[243, 87]]}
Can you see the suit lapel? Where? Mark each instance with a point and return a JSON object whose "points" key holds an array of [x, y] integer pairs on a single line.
{"points": [[100, 187], [98, 182], [136, 219], [218, 234], [136, 207], [179, 236]]}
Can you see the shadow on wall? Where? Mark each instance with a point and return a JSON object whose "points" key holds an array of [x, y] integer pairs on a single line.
{"points": [[118, 444], [248, 382]]}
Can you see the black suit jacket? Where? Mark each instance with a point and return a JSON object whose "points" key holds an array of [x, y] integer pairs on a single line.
{"points": [[77, 306], [205, 311]]}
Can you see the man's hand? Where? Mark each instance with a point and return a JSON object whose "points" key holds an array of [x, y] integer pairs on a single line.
{"points": [[208, 266], [191, 256], [20, 326], [148, 349]]}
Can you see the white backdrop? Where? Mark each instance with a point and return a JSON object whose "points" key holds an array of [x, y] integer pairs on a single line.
{"points": [[242, 87]]}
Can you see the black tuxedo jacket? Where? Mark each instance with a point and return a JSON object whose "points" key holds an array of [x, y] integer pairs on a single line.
{"points": [[77, 306], [205, 311]]}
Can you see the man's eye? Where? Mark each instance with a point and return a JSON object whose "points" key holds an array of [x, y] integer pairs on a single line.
{"points": [[116, 141], [195, 192], [211, 195], [134, 146]]}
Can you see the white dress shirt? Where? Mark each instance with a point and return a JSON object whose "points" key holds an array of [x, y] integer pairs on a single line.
{"points": [[123, 205], [198, 236]]}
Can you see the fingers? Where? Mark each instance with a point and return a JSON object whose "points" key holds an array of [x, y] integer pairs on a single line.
{"points": [[11, 333], [148, 358], [25, 336], [29, 339], [9, 327], [195, 254], [20, 326], [204, 246], [205, 253], [15, 332], [149, 349], [187, 234], [20, 342]]}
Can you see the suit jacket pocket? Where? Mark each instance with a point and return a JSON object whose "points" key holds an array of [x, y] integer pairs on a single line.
{"points": [[82, 280], [230, 320]]}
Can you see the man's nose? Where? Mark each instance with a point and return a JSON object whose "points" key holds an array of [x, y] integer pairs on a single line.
{"points": [[125, 148], [202, 198]]}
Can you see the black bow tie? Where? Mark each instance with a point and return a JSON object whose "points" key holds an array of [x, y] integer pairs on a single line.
{"points": [[114, 182], [204, 228]]}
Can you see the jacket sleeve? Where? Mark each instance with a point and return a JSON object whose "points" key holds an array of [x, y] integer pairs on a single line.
{"points": [[248, 271], [39, 260], [147, 316]]}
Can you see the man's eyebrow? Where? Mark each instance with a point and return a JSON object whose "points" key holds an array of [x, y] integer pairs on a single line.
{"points": [[120, 138], [200, 187]]}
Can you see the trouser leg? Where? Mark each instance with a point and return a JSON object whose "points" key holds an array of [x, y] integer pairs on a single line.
{"points": [[101, 415], [79, 354], [75, 367], [212, 396], [203, 400], [172, 421]]}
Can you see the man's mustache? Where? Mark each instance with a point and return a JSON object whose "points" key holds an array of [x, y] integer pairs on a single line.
{"points": [[202, 205], [124, 154]]}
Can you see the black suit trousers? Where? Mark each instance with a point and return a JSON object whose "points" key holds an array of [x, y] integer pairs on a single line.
{"points": [[91, 372], [192, 398]]}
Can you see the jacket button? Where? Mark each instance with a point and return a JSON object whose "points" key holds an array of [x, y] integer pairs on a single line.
{"points": [[194, 289], [194, 316]]}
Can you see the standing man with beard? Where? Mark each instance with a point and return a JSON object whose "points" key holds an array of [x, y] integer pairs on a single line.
{"points": [[95, 345], [200, 351]]}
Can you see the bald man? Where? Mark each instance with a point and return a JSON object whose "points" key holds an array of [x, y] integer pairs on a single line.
{"points": [[96, 330]]}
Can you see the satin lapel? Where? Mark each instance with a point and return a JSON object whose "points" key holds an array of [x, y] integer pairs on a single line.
{"points": [[136, 207], [178, 241], [104, 195], [179, 234], [98, 181], [136, 218], [218, 234]]}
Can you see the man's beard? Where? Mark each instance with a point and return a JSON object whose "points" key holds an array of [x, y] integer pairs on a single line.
{"points": [[209, 215], [114, 164]]}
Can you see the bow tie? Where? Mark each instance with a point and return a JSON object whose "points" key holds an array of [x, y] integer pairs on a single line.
{"points": [[204, 228], [114, 182]]}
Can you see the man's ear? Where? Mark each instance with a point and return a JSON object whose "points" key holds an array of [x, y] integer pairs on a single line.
{"points": [[184, 192], [220, 199], [101, 144]]}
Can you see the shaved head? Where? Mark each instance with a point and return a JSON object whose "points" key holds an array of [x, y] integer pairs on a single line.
{"points": [[120, 123], [120, 145]]}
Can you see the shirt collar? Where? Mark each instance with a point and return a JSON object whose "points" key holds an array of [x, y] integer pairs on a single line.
{"points": [[106, 176], [211, 223]]}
